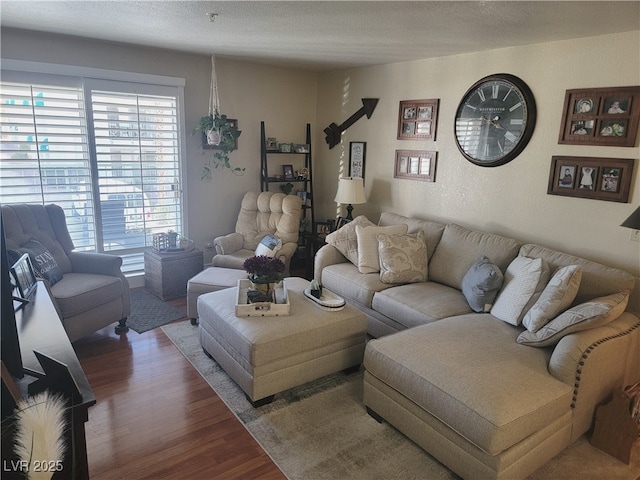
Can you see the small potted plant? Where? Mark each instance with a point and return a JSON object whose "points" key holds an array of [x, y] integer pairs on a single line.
{"points": [[219, 133], [264, 273]]}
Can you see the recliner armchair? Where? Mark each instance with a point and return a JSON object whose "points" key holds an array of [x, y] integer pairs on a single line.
{"points": [[92, 292], [261, 213]]}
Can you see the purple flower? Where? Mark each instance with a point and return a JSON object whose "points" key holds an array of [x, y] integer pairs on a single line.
{"points": [[263, 269]]}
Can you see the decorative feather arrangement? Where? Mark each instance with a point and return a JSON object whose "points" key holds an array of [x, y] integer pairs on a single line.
{"points": [[39, 441]]}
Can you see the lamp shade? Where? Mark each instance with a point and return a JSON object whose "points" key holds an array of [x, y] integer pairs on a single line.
{"points": [[351, 191], [633, 221]]}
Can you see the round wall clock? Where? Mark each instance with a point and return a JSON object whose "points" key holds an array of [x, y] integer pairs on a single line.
{"points": [[495, 120]]}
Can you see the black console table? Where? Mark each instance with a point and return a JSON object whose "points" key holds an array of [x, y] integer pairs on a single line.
{"points": [[40, 329]]}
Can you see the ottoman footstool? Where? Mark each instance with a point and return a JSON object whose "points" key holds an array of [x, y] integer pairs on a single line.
{"points": [[267, 355], [210, 280]]}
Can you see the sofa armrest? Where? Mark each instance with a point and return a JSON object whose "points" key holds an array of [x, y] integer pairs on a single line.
{"points": [[228, 244], [93, 262], [594, 362], [327, 255]]}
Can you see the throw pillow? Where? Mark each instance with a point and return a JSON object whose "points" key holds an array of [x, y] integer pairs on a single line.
{"points": [[555, 298], [481, 283], [44, 265], [269, 246], [524, 281], [592, 314], [345, 239], [403, 258], [368, 259]]}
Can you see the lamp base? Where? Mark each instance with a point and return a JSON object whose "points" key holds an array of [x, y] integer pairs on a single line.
{"points": [[349, 210]]}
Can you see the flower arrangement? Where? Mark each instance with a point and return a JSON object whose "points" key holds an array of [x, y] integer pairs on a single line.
{"points": [[263, 269]]}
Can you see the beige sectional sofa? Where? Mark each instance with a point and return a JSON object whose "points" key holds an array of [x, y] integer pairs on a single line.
{"points": [[478, 390]]}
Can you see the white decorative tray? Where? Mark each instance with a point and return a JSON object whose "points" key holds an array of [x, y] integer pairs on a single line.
{"points": [[327, 301], [280, 307]]}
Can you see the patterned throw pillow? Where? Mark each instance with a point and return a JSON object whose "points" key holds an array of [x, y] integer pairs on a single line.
{"points": [[368, 259], [403, 258], [595, 313], [481, 283], [44, 265], [555, 298], [345, 239], [524, 281]]}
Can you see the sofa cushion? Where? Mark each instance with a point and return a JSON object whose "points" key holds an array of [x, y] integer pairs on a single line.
{"points": [[345, 280], [597, 280], [419, 303], [346, 240], [403, 258], [555, 298], [478, 389], [44, 264], [368, 258], [481, 283], [432, 230], [79, 292], [524, 281], [460, 248], [595, 313]]}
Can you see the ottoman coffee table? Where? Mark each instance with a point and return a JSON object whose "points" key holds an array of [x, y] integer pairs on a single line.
{"points": [[267, 355]]}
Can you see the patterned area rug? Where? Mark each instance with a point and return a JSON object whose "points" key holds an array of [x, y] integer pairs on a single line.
{"points": [[149, 312], [321, 431]]}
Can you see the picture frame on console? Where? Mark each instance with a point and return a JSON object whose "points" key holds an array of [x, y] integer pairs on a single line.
{"points": [[24, 279]]}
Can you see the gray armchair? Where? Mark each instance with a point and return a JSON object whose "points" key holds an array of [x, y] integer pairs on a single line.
{"points": [[88, 289], [261, 213]]}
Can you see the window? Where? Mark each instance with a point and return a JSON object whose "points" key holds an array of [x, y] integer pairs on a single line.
{"points": [[106, 151]]}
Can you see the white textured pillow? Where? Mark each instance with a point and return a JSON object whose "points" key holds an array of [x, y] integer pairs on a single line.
{"points": [[269, 246], [524, 281], [345, 240], [403, 258], [555, 298], [368, 258], [592, 314]]}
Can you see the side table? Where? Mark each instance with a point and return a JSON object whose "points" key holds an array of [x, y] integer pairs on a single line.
{"points": [[313, 243], [166, 274]]}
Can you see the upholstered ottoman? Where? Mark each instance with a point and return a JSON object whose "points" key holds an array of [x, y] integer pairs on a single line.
{"points": [[210, 280], [267, 355]]}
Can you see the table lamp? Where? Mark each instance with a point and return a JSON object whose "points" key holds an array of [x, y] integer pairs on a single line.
{"points": [[350, 191]]}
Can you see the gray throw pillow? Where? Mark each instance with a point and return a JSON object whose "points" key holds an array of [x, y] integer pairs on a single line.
{"points": [[481, 283], [44, 265]]}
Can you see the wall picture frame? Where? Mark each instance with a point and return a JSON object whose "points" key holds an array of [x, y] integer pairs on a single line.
{"points": [[600, 116], [418, 119], [591, 177], [357, 157], [416, 165]]}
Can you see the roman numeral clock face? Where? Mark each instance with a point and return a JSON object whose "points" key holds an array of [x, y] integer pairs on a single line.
{"points": [[495, 120]]}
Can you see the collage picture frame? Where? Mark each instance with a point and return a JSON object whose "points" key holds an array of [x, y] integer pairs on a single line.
{"points": [[418, 119], [591, 177]]}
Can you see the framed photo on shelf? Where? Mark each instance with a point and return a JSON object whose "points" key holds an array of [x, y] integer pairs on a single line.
{"points": [[303, 196], [342, 221], [287, 172], [600, 116], [591, 177], [417, 119], [322, 228], [357, 154], [272, 144], [416, 165], [24, 278]]}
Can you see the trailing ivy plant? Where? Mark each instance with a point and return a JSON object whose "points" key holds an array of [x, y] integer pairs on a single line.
{"points": [[229, 134]]}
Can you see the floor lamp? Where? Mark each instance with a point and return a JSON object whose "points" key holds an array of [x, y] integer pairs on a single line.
{"points": [[351, 192]]}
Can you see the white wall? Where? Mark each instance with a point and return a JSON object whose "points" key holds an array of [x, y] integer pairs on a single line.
{"points": [[510, 199]]}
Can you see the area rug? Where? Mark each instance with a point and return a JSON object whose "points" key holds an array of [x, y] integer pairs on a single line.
{"points": [[149, 312], [321, 431]]}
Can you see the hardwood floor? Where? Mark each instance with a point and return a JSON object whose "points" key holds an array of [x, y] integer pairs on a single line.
{"points": [[156, 417]]}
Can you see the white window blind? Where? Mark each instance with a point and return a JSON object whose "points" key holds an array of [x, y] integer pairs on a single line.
{"points": [[107, 152]]}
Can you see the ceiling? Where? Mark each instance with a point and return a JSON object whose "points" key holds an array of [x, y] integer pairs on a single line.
{"points": [[324, 35]]}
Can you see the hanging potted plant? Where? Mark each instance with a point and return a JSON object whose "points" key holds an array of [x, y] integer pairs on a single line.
{"points": [[221, 134]]}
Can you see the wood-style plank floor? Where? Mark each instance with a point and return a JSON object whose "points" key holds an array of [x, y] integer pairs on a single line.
{"points": [[156, 418]]}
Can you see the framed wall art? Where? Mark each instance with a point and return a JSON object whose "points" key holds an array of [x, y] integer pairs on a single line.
{"points": [[601, 116], [418, 119], [587, 177], [357, 154], [416, 165]]}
